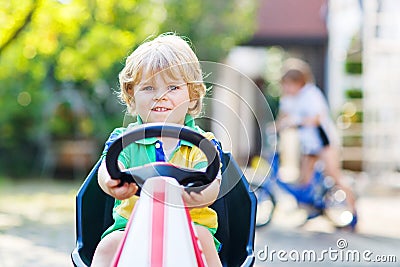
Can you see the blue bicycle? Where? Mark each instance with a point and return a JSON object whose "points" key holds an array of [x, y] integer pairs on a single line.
{"points": [[319, 197]]}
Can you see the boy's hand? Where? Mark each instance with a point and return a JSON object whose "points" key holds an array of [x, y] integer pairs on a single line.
{"points": [[114, 187], [118, 191], [193, 199], [203, 198]]}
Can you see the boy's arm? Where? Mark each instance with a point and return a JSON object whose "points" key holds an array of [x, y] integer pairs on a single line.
{"points": [[113, 187], [311, 121]]}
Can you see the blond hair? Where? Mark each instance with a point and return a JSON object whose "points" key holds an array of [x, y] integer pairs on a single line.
{"points": [[297, 70], [169, 53]]}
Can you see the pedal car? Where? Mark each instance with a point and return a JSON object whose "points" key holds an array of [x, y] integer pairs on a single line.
{"points": [[236, 207]]}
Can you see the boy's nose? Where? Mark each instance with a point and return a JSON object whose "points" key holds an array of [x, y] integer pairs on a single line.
{"points": [[160, 95]]}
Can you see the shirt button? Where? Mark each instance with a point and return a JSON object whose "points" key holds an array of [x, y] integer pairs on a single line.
{"points": [[158, 145]]}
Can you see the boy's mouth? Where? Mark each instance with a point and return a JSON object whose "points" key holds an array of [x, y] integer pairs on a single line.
{"points": [[160, 109]]}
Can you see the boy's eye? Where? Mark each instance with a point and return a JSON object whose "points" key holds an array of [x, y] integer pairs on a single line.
{"points": [[148, 88], [172, 87]]}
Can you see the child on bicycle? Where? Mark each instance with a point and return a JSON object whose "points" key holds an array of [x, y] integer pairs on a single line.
{"points": [[161, 82], [303, 106]]}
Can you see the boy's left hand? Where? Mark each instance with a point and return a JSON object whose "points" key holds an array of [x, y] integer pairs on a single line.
{"points": [[203, 198], [193, 199]]}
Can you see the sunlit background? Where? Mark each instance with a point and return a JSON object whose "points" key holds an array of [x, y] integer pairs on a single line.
{"points": [[59, 65]]}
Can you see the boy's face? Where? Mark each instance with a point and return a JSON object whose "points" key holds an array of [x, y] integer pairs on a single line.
{"points": [[161, 98], [291, 87]]}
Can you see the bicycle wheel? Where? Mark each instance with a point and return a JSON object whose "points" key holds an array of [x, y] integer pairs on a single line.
{"points": [[337, 208], [265, 205]]}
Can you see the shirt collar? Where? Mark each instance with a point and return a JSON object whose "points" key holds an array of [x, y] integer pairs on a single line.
{"points": [[189, 122]]}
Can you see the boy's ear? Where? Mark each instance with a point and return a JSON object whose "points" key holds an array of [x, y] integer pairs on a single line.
{"points": [[129, 90]]}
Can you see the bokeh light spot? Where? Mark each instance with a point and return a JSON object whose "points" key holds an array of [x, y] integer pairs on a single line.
{"points": [[24, 99]]}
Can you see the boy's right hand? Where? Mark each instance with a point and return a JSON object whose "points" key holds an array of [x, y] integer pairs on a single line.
{"points": [[114, 187], [120, 191]]}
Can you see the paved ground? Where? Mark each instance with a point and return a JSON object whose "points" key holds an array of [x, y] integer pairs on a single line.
{"points": [[37, 227], [378, 235], [306, 248], [36, 223], [378, 232]]}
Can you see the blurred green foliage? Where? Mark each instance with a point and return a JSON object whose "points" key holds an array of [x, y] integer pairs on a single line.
{"points": [[354, 93], [59, 63], [353, 67]]}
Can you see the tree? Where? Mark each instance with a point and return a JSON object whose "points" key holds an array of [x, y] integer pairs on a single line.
{"points": [[214, 27], [21, 25], [51, 48]]}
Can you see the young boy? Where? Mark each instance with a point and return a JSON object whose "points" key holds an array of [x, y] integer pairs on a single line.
{"points": [[161, 82], [303, 105]]}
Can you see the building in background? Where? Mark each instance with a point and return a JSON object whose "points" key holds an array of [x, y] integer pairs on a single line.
{"points": [[353, 47], [381, 85], [364, 63], [344, 78], [299, 27], [296, 28]]}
